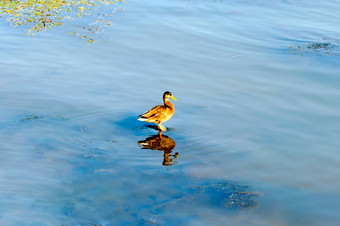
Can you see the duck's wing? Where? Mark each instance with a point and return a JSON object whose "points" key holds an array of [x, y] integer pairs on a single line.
{"points": [[152, 112]]}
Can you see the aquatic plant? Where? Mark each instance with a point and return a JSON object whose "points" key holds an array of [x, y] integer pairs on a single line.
{"points": [[228, 194], [329, 47], [31, 117], [40, 15]]}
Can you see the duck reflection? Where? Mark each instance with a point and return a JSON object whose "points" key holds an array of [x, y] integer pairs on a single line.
{"points": [[161, 143]]}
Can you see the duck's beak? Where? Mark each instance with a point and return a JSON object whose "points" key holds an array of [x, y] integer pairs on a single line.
{"points": [[173, 98]]}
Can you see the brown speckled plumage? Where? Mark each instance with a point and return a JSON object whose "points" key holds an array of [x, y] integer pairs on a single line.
{"points": [[160, 113]]}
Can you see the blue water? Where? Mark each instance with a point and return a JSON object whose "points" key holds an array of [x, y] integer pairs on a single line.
{"points": [[258, 108]]}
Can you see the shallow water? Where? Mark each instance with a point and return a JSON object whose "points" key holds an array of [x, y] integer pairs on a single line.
{"points": [[256, 128]]}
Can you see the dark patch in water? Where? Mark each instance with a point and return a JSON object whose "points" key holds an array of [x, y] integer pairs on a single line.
{"points": [[227, 194], [327, 48], [70, 208], [220, 194], [63, 117], [34, 117], [113, 141], [31, 117], [92, 153]]}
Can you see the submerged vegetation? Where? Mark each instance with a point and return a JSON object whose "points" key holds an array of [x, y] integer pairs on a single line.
{"points": [[31, 117], [229, 195], [330, 47], [40, 15]]}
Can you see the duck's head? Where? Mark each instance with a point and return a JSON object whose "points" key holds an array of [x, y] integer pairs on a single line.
{"points": [[168, 95]]}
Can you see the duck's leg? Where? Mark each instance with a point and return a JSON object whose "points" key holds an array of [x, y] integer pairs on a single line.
{"points": [[162, 128]]}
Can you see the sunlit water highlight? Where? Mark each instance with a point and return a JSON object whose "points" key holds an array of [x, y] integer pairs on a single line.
{"points": [[253, 117]]}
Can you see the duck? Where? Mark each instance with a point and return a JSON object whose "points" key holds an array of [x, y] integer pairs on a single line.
{"points": [[160, 113]]}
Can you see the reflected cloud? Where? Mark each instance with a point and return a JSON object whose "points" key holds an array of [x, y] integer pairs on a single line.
{"points": [[161, 143]]}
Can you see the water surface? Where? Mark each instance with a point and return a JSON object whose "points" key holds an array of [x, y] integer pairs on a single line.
{"points": [[256, 128]]}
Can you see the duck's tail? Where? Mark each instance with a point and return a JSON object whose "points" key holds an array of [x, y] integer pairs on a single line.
{"points": [[142, 118]]}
